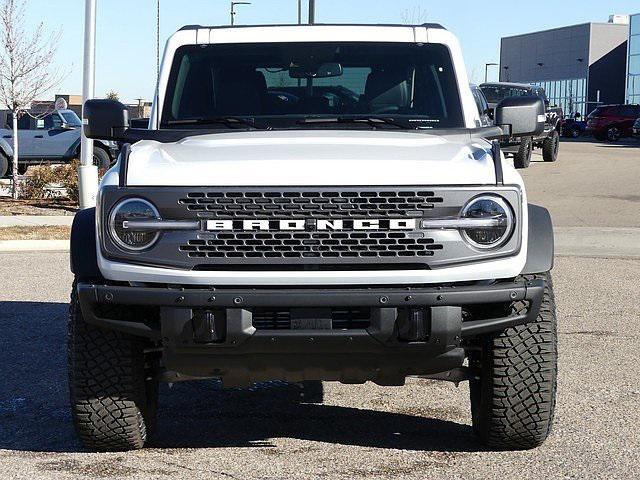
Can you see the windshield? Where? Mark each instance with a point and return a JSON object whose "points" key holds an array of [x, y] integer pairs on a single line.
{"points": [[495, 94], [283, 84], [71, 119]]}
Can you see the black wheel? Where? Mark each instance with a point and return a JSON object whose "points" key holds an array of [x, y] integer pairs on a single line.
{"points": [[101, 158], [513, 402], [574, 132], [550, 147], [522, 159], [311, 391], [4, 166], [113, 403], [613, 133]]}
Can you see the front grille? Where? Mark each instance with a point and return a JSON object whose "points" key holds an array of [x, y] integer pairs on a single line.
{"points": [[312, 204], [341, 318], [338, 245]]}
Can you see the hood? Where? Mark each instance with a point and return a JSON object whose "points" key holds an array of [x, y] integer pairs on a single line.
{"points": [[307, 158]]}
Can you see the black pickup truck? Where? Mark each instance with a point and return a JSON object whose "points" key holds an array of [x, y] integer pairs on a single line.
{"points": [[522, 148]]}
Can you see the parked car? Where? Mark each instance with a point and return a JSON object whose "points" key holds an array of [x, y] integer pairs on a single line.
{"points": [[54, 138], [612, 122], [522, 148], [636, 128], [574, 127], [249, 237], [485, 113]]}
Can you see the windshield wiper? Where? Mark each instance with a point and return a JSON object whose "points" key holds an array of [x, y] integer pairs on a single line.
{"points": [[373, 121], [232, 122]]}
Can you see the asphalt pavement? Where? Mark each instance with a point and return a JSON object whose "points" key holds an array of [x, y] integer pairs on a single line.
{"points": [[421, 430]]}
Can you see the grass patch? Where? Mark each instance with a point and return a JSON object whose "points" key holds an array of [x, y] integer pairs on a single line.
{"points": [[35, 233]]}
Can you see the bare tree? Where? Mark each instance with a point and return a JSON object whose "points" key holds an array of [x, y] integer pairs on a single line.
{"points": [[414, 16], [113, 95], [25, 66]]}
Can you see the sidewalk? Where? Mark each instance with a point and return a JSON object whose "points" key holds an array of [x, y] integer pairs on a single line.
{"points": [[35, 221]]}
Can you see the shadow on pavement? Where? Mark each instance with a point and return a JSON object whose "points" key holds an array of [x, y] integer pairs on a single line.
{"points": [[34, 411]]}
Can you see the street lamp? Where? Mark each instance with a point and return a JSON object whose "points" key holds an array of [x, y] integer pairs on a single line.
{"points": [[233, 10], [312, 12], [87, 171], [486, 70]]}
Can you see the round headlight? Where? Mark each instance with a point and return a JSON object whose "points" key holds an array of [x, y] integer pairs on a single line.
{"points": [[130, 237], [493, 221]]}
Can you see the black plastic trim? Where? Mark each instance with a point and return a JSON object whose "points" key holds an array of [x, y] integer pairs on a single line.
{"points": [[220, 27], [124, 164], [240, 299], [83, 258], [540, 242], [497, 161]]}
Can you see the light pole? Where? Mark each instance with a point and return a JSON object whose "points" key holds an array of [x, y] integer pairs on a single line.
{"points": [[233, 10], [312, 12], [486, 70], [87, 171], [299, 12]]}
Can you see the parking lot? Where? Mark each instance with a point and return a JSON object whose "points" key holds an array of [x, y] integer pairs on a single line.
{"points": [[418, 431]]}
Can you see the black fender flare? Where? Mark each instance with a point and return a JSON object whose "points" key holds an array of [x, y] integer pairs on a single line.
{"points": [[84, 258], [540, 242]]}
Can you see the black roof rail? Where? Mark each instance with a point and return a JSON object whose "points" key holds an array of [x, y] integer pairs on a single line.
{"points": [[424, 25]]}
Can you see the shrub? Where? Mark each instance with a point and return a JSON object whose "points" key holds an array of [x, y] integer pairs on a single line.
{"points": [[34, 186], [41, 181], [68, 178]]}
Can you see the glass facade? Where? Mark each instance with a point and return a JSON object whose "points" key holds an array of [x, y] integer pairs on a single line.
{"points": [[633, 80], [570, 94]]}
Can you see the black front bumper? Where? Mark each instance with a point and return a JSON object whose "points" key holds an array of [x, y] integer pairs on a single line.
{"points": [[239, 353]]}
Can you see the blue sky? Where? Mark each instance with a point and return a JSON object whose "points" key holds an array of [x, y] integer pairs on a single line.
{"points": [[126, 56]]}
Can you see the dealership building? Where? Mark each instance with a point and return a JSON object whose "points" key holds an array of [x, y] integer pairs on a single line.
{"points": [[633, 64], [580, 66]]}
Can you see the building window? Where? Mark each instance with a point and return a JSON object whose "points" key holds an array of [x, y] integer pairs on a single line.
{"points": [[569, 94]]}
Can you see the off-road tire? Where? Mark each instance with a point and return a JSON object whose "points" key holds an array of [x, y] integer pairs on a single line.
{"points": [[513, 401], [4, 166], [551, 147], [101, 158], [113, 404], [522, 158]]}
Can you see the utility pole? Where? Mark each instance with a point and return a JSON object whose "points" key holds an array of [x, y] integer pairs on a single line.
{"points": [[299, 12], [233, 10], [88, 172], [486, 70], [312, 12], [158, 39]]}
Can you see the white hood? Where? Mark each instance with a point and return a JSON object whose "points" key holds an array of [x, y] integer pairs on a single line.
{"points": [[307, 158]]}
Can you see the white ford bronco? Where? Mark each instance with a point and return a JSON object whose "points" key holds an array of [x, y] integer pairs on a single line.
{"points": [[312, 203]]}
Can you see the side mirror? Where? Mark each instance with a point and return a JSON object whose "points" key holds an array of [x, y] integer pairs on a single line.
{"points": [[105, 120], [521, 116]]}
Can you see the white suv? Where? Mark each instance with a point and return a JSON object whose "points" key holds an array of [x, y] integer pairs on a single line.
{"points": [[312, 203]]}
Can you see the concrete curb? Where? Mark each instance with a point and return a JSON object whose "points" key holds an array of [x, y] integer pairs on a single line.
{"points": [[36, 221], [8, 246]]}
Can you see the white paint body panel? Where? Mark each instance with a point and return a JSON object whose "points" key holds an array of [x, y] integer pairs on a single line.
{"points": [[311, 158], [317, 158]]}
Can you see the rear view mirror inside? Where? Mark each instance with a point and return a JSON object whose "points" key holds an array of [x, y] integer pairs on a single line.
{"points": [[324, 70]]}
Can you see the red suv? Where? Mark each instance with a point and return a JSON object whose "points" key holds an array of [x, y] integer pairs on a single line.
{"points": [[612, 122]]}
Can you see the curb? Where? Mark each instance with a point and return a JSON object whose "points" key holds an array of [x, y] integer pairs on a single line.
{"points": [[36, 221], [8, 246]]}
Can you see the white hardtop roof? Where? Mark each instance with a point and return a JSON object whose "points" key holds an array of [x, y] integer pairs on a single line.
{"points": [[203, 35]]}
